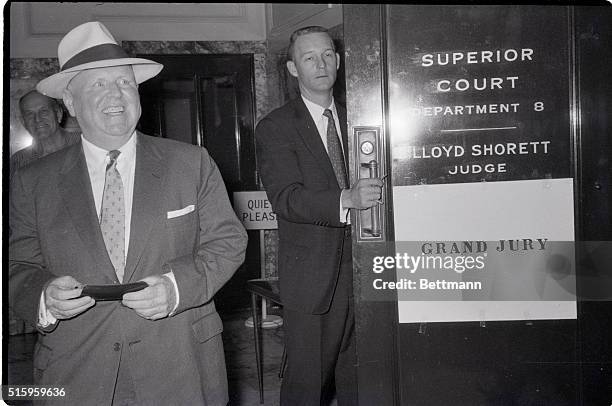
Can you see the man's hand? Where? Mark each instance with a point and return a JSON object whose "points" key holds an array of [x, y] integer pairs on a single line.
{"points": [[363, 195], [60, 296], [153, 302]]}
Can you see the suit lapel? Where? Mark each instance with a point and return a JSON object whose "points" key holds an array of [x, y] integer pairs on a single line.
{"points": [[75, 189], [309, 133], [147, 201]]}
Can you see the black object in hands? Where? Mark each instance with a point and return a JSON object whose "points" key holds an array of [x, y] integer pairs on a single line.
{"points": [[111, 292]]}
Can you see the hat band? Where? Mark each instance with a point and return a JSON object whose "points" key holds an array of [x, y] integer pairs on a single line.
{"points": [[96, 53]]}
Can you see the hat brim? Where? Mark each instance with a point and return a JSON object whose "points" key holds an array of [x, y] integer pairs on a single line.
{"points": [[54, 85]]}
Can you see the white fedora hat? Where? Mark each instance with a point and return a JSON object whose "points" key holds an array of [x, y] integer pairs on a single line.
{"points": [[91, 46]]}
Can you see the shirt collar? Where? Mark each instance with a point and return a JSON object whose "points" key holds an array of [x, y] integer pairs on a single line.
{"points": [[316, 111], [97, 156]]}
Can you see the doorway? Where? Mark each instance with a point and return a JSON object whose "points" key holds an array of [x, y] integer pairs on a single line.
{"points": [[208, 100]]}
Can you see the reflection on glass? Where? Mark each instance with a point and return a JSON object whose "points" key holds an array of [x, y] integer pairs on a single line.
{"points": [[220, 123], [179, 109]]}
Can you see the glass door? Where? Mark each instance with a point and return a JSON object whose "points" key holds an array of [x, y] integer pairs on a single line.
{"points": [[465, 275]]}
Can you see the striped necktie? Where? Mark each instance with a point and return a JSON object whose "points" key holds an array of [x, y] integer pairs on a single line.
{"points": [[334, 150]]}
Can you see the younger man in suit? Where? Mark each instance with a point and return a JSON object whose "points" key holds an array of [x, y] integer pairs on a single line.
{"points": [[120, 207], [302, 155]]}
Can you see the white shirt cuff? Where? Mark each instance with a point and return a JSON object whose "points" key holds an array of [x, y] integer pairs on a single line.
{"points": [[45, 318], [170, 276], [343, 212]]}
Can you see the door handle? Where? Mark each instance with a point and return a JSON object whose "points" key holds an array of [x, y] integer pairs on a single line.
{"points": [[374, 230], [369, 163]]}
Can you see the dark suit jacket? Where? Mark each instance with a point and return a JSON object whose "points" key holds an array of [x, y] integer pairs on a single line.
{"points": [[300, 182], [173, 361]]}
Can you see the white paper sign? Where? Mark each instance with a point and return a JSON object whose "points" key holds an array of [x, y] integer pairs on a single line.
{"points": [[536, 210], [254, 210]]}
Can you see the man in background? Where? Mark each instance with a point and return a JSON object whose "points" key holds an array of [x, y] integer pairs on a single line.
{"points": [[302, 155], [41, 116]]}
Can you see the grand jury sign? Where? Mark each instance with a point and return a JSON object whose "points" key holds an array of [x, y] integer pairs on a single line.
{"points": [[480, 132]]}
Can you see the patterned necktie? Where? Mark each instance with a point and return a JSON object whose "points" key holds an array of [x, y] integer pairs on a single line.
{"points": [[112, 215], [334, 150]]}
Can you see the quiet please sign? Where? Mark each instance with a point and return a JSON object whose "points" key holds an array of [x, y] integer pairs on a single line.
{"points": [[254, 210]]}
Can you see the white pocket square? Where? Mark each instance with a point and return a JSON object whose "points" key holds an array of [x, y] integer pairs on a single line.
{"points": [[181, 212]]}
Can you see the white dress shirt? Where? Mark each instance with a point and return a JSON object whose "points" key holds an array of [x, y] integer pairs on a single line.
{"points": [[316, 112], [97, 159]]}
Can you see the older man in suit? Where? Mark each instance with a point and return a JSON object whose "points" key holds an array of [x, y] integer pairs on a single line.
{"points": [[115, 208], [41, 116], [302, 154]]}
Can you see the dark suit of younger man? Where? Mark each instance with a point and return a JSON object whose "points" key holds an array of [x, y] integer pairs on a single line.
{"points": [[314, 252], [301, 149], [300, 182]]}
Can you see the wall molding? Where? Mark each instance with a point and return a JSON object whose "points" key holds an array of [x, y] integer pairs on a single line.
{"points": [[240, 16], [35, 29]]}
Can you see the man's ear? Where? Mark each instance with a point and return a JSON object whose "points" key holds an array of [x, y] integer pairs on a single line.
{"points": [[337, 61], [69, 102], [292, 69], [59, 112]]}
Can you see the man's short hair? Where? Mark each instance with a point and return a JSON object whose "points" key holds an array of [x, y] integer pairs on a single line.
{"points": [[53, 102], [303, 31]]}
